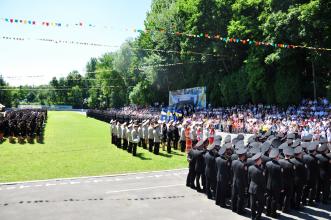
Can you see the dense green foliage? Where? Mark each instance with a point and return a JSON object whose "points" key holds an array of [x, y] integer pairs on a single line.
{"points": [[5, 95], [241, 74]]}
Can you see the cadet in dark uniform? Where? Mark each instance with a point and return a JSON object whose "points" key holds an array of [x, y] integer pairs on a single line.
{"points": [[191, 158], [164, 130], [310, 161], [176, 136], [239, 183], [223, 165], [200, 165], [329, 168], [170, 136], [150, 130], [210, 170], [300, 177], [274, 182], [287, 170], [323, 189], [256, 179]]}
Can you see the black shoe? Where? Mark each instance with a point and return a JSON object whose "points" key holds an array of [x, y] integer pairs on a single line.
{"points": [[275, 215], [223, 206], [311, 203], [285, 211]]}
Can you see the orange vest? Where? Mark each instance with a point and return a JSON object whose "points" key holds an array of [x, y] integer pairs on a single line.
{"points": [[188, 140]]}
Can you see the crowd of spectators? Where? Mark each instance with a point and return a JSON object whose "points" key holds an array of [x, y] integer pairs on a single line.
{"points": [[309, 117]]}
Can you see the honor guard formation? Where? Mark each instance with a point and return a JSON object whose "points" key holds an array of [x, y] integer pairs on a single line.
{"points": [[23, 125], [148, 134], [273, 171]]}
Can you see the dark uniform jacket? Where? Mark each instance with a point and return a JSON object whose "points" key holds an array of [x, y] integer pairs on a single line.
{"points": [[192, 157], [239, 170], [312, 168], [323, 163], [200, 163], [274, 176], [170, 134], [300, 172], [256, 178], [176, 134], [164, 132], [223, 169], [210, 169], [329, 156], [287, 170]]}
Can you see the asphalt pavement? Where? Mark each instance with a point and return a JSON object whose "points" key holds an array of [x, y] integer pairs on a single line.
{"points": [[148, 195]]}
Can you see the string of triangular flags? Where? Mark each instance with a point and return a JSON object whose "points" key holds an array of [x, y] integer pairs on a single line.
{"points": [[58, 41], [146, 31]]}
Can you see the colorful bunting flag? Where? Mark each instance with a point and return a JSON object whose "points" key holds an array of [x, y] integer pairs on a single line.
{"points": [[177, 33]]}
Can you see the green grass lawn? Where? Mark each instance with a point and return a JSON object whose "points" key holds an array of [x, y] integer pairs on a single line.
{"points": [[77, 146]]}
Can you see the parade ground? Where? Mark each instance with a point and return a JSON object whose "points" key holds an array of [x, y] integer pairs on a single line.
{"points": [[147, 195], [77, 146]]}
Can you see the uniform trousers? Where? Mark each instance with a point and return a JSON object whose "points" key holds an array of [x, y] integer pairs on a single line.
{"points": [[175, 144], [221, 189], [272, 202], [324, 188], [125, 144], [134, 149], [210, 187], [156, 148], [287, 198], [257, 205], [182, 146], [199, 175], [309, 192], [144, 143], [238, 198], [130, 147], [112, 139], [150, 145], [169, 145], [297, 195], [191, 176]]}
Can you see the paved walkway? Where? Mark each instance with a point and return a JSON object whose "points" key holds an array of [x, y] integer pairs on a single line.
{"points": [[150, 195]]}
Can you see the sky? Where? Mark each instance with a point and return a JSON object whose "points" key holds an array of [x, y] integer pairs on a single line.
{"points": [[35, 62]]}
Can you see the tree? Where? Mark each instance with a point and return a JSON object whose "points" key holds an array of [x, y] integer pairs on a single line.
{"points": [[5, 94]]}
